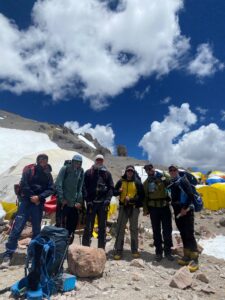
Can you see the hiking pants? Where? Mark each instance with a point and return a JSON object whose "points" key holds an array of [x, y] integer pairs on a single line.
{"points": [[100, 210], [161, 221], [67, 217], [185, 225], [127, 213], [27, 211]]}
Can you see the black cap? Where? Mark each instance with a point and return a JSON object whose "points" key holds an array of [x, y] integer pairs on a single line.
{"points": [[148, 166], [41, 157], [173, 166]]}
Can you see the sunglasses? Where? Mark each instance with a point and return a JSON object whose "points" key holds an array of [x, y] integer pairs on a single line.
{"points": [[99, 159], [149, 169], [130, 171]]}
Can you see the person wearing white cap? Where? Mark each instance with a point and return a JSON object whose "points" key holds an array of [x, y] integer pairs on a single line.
{"points": [[98, 191]]}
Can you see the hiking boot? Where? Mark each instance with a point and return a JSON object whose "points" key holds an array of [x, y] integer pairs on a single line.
{"points": [[117, 255], [158, 257], [169, 257], [193, 266], [135, 254], [6, 262], [185, 260]]}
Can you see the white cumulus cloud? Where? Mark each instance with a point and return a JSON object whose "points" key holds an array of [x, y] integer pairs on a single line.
{"points": [[84, 48], [103, 133], [172, 141], [204, 64], [165, 100]]}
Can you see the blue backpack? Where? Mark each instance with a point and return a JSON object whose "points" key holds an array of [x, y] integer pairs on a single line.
{"points": [[197, 199], [44, 264]]}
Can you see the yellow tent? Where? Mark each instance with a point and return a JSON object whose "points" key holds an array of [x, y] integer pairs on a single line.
{"points": [[217, 173], [213, 196], [199, 176], [9, 208]]}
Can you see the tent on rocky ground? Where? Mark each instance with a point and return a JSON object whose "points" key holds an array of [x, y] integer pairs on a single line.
{"points": [[199, 176], [213, 195], [217, 173]]}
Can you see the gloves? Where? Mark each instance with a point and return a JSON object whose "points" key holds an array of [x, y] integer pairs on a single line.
{"points": [[107, 203], [89, 205]]}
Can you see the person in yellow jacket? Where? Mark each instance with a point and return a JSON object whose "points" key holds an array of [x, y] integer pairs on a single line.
{"points": [[130, 191]]}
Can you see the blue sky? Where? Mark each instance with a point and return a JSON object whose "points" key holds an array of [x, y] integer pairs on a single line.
{"points": [[132, 67]]}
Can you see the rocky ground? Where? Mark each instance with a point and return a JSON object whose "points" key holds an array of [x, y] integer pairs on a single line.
{"points": [[143, 278]]}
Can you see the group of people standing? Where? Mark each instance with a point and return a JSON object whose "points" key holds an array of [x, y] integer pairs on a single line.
{"points": [[95, 188]]}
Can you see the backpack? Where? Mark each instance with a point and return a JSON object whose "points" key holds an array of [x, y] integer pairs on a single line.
{"points": [[44, 263], [17, 187], [197, 202], [191, 178]]}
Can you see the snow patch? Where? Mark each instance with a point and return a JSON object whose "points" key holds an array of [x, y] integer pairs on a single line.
{"points": [[214, 246], [15, 144], [82, 138], [1, 118]]}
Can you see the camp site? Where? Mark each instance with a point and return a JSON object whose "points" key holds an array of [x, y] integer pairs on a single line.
{"points": [[82, 273]]}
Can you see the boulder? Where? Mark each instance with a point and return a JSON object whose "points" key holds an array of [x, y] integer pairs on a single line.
{"points": [[222, 221], [86, 261], [181, 279], [26, 233], [202, 277], [138, 263]]}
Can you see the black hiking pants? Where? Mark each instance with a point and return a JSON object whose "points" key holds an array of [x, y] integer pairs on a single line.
{"points": [[99, 210], [67, 217], [161, 220], [185, 225]]}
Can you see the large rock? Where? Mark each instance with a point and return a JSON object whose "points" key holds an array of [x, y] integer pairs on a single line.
{"points": [[181, 279], [222, 221], [26, 233], [85, 261]]}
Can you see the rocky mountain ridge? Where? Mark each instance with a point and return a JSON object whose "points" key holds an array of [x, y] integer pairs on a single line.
{"points": [[66, 139]]}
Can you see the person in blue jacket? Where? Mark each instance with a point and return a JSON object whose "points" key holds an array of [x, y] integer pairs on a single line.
{"points": [[182, 201], [35, 186]]}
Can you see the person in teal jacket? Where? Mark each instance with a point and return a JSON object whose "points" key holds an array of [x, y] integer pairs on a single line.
{"points": [[69, 183]]}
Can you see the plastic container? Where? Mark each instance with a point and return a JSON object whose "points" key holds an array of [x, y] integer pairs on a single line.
{"points": [[34, 295], [68, 282]]}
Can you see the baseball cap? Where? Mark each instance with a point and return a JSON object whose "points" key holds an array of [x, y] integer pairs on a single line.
{"points": [[99, 156], [130, 167]]}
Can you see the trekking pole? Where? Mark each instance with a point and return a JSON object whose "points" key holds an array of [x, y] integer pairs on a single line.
{"points": [[119, 225], [79, 225]]}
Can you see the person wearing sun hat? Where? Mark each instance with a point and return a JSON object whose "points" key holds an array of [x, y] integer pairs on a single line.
{"points": [[182, 201], [130, 191]]}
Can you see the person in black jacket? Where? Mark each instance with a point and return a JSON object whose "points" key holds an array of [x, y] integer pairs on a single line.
{"points": [[98, 191], [36, 185], [182, 201], [131, 193]]}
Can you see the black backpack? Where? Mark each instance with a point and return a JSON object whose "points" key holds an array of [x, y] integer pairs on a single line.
{"points": [[191, 178]]}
